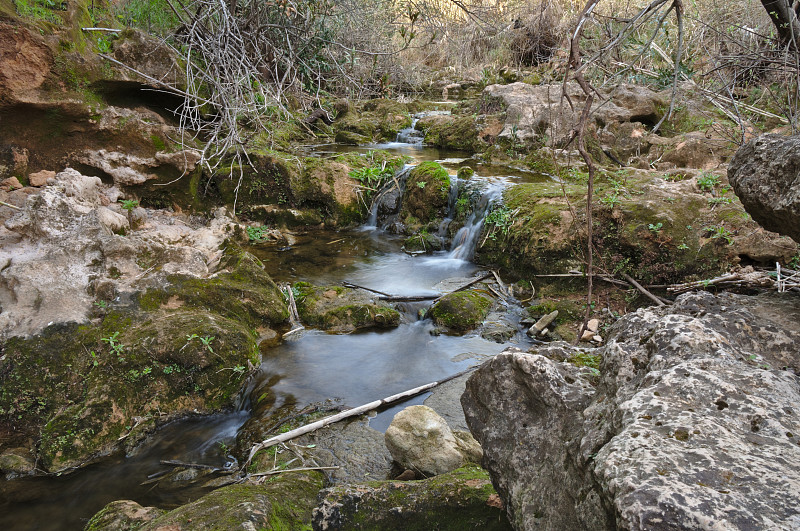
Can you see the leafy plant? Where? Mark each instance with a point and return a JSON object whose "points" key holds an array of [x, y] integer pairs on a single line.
{"points": [[421, 184], [707, 181], [117, 348], [719, 232], [714, 201], [655, 227], [499, 219], [257, 234]]}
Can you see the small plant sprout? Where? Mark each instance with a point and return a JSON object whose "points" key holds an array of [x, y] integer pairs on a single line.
{"points": [[118, 349], [655, 228], [130, 205]]}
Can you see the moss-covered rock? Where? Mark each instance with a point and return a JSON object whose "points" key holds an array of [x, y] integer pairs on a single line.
{"points": [[461, 311], [654, 229], [76, 391], [283, 503], [451, 132], [426, 194], [423, 242], [122, 515], [339, 309], [458, 500], [379, 119]]}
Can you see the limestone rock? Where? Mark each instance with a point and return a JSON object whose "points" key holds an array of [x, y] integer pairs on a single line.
{"points": [[420, 440], [693, 424], [765, 174], [39, 178], [11, 183], [533, 112], [540, 325], [284, 503]]}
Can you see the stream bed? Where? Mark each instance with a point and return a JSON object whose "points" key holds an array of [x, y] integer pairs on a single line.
{"points": [[312, 367]]}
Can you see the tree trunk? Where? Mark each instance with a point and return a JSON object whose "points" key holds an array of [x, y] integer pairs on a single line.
{"points": [[784, 15]]}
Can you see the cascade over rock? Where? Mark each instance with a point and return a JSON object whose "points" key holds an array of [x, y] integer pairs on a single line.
{"points": [[693, 424]]}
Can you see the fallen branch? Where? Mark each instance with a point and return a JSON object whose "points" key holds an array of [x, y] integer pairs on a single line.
{"points": [[275, 472], [642, 289], [356, 286], [198, 466], [409, 298], [9, 205], [360, 410]]}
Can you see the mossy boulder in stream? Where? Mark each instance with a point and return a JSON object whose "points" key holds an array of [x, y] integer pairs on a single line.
{"points": [[378, 119], [339, 309], [283, 503], [426, 195], [451, 132], [458, 500], [461, 311]]}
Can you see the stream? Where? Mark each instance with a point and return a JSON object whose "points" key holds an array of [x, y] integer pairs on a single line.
{"points": [[315, 366]]}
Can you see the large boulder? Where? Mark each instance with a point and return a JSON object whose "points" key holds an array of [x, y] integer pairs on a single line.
{"points": [[765, 174], [693, 424], [535, 113], [420, 440]]}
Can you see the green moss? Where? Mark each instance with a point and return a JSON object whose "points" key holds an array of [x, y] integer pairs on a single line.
{"points": [[427, 193], [341, 309], [455, 132], [454, 501], [423, 242], [461, 311], [282, 503]]}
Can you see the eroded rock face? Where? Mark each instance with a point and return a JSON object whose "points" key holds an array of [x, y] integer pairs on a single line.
{"points": [[420, 440], [25, 62], [535, 111], [64, 239], [765, 174], [693, 424]]}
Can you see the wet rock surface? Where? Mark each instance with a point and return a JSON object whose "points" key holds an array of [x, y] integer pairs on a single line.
{"points": [[693, 422], [462, 499], [765, 174], [339, 309]]}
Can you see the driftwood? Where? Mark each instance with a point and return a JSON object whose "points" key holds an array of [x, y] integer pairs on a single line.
{"points": [[503, 288], [275, 472], [360, 410]]}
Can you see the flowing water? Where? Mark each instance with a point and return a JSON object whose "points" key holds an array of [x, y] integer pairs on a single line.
{"points": [[316, 366]]}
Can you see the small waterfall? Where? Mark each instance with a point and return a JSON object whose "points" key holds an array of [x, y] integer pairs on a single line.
{"points": [[411, 135], [466, 239], [451, 207]]}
